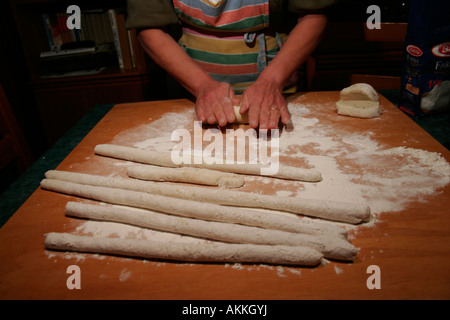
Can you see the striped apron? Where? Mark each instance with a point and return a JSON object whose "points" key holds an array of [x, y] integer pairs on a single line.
{"points": [[229, 39]]}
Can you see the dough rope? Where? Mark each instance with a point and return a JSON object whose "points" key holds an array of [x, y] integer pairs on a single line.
{"points": [[188, 175], [208, 252], [193, 209], [330, 210], [165, 160], [332, 247]]}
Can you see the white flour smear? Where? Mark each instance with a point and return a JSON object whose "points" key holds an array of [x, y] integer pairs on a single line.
{"points": [[156, 134], [354, 167]]}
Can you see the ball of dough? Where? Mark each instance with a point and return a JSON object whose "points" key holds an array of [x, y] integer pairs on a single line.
{"points": [[359, 91], [359, 108], [359, 100]]}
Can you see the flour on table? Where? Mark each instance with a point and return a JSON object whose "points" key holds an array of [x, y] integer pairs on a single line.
{"points": [[354, 167], [156, 134], [388, 178], [124, 275], [338, 270]]}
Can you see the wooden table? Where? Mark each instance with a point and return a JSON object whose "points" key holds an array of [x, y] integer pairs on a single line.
{"points": [[411, 247]]}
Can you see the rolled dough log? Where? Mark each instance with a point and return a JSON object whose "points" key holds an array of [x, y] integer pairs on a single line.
{"points": [[359, 100], [330, 210], [164, 160], [188, 175], [332, 247], [240, 118], [208, 252], [193, 209]]}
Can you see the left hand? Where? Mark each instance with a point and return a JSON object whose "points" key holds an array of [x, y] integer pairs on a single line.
{"points": [[265, 104]]}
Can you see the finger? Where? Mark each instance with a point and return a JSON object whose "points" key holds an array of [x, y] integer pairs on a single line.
{"points": [[274, 118], [285, 115], [230, 114], [244, 104], [219, 114], [228, 109], [264, 117], [208, 113], [234, 99], [283, 109], [200, 113], [253, 114]]}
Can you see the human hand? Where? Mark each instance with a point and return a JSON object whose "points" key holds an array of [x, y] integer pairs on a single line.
{"points": [[265, 104], [215, 103]]}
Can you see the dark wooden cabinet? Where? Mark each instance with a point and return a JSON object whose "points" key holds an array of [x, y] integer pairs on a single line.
{"points": [[64, 101]]}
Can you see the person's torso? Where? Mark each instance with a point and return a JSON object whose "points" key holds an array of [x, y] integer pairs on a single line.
{"points": [[230, 39]]}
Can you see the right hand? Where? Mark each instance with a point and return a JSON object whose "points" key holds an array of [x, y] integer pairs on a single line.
{"points": [[215, 103]]}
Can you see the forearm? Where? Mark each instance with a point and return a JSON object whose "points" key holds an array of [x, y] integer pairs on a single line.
{"points": [[301, 42], [214, 100], [263, 99], [164, 50]]}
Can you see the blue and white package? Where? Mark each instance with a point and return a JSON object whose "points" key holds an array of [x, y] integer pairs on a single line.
{"points": [[425, 87]]}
